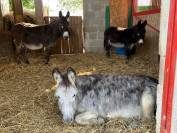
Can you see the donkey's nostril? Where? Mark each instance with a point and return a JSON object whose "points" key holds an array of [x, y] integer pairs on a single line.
{"points": [[68, 120]]}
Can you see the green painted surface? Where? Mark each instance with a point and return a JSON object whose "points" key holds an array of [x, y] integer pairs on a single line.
{"points": [[130, 17], [107, 17], [144, 8]]}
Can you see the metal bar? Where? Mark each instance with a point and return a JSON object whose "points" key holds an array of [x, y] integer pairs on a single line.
{"points": [[169, 73], [153, 11], [147, 12]]}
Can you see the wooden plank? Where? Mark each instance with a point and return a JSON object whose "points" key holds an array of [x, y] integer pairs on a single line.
{"points": [[5, 37], [65, 47], [18, 10], [6, 47], [72, 41], [76, 34], [72, 35], [80, 35], [119, 13], [57, 49], [39, 11], [1, 17]]}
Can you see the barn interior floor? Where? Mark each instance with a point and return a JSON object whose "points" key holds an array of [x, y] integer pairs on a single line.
{"points": [[25, 106]]}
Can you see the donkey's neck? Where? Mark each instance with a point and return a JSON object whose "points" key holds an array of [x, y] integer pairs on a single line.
{"points": [[56, 28]]}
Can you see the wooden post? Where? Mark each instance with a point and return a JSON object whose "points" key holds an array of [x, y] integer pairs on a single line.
{"points": [[18, 10], [39, 11], [1, 17]]}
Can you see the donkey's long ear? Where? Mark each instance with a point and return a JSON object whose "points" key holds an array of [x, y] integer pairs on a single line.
{"points": [[68, 14], [60, 14], [144, 23], [139, 23], [71, 75], [57, 75]]}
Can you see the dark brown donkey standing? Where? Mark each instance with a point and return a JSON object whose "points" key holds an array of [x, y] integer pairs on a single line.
{"points": [[39, 36]]}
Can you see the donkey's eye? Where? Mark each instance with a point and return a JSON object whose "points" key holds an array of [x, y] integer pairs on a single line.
{"points": [[74, 95]]}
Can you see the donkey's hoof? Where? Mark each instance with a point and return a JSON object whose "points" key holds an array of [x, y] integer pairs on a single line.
{"points": [[108, 55], [27, 62], [127, 61], [46, 62], [18, 62]]}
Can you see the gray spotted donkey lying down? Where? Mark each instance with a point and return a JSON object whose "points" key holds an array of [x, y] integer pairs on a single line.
{"points": [[89, 99]]}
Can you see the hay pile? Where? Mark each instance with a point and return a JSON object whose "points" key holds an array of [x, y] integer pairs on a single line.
{"points": [[26, 107]]}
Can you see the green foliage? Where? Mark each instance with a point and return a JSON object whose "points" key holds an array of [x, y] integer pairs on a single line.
{"points": [[10, 5], [28, 4], [71, 5]]}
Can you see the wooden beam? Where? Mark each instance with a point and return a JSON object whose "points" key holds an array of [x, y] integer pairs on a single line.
{"points": [[18, 10], [39, 11], [1, 17]]}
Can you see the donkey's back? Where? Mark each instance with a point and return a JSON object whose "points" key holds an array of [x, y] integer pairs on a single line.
{"points": [[118, 96], [37, 34]]}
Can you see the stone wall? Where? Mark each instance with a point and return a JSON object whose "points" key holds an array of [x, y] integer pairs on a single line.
{"points": [[94, 24]]}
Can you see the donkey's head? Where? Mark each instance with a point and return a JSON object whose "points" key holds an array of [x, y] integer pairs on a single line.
{"points": [[66, 92], [64, 22], [139, 32]]}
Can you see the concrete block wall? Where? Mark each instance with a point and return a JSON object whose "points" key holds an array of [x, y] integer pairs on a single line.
{"points": [[94, 24]]}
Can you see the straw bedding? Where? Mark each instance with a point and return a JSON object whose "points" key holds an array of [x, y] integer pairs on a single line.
{"points": [[26, 106]]}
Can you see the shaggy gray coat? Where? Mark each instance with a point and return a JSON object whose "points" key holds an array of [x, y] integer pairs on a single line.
{"points": [[89, 99]]}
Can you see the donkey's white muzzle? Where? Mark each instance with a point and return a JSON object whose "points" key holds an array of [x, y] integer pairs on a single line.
{"points": [[141, 41], [66, 35]]}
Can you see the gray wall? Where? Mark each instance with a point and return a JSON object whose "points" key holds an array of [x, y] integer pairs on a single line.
{"points": [[94, 24]]}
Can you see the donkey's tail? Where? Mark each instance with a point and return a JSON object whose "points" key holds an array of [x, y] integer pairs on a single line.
{"points": [[152, 79]]}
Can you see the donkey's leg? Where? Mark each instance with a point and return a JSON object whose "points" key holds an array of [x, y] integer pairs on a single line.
{"points": [[148, 104], [17, 49], [46, 54], [19, 53], [128, 52], [108, 49], [88, 118], [24, 54]]}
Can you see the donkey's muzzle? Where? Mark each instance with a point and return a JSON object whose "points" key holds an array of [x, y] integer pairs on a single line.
{"points": [[66, 35], [68, 120]]}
